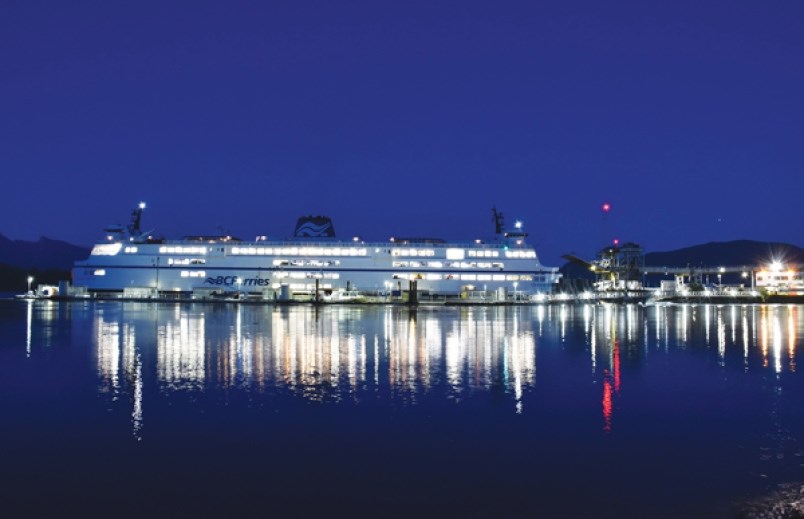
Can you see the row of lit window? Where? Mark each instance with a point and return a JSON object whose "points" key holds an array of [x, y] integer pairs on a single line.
{"points": [[193, 274], [483, 253], [448, 264], [182, 250], [302, 286], [186, 261], [465, 277], [784, 276], [412, 252], [130, 250], [307, 275], [306, 263], [299, 251], [520, 254]]}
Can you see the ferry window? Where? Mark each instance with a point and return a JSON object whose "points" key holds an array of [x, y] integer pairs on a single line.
{"points": [[455, 254], [108, 249]]}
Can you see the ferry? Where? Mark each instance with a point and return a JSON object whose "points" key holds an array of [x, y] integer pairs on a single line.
{"points": [[314, 261]]}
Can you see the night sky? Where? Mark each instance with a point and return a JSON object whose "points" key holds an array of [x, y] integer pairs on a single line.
{"points": [[406, 118]]}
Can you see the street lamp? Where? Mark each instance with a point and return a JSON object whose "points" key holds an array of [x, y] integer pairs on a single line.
{"points": [[515, 284], [719, 274], [30, 280]]}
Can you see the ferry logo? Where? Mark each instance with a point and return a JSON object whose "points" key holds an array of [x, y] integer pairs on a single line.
{"points": [[312, 230], [232, 280], [314, 227]]}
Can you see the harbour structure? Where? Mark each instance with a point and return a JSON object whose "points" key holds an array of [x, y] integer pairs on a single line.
{"points": [[620, 274], [618, 271], [312, 263]]}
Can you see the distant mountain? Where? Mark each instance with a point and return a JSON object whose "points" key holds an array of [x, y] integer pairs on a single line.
{"points": [[42, 254], [731, 253], [739, 252]]}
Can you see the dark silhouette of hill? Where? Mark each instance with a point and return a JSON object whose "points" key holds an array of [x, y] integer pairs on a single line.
{"points": [[713, 254], [739, 252], [48, 261], [42, 254]]}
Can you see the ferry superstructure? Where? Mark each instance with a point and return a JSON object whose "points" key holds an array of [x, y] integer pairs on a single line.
{"points": [[130, 259]]}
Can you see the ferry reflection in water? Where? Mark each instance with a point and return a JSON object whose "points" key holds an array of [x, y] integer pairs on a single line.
{"points": [[322, 354], [338, 352]]}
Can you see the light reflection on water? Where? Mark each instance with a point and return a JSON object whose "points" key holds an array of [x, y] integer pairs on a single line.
{"points": [[330, 353], [337, 352], [592, 361]]}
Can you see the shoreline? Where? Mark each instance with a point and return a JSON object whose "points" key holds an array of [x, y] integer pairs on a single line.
{"points": [[377, 301]]}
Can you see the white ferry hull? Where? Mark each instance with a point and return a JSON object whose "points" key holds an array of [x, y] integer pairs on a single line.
{"points": [[132, 262]]}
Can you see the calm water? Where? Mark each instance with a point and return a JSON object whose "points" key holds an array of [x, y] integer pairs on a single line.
{"points": [[578, 411]]}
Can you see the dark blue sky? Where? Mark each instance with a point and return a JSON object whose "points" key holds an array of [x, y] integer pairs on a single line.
{"points": [[406, 118]]}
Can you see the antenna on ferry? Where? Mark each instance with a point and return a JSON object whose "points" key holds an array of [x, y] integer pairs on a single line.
{"points": [[134, 230], [136, 217], [497, 218]]}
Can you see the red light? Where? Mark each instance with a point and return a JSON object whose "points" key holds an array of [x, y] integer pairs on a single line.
{"points": [[616, 241], [606, 207]]}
